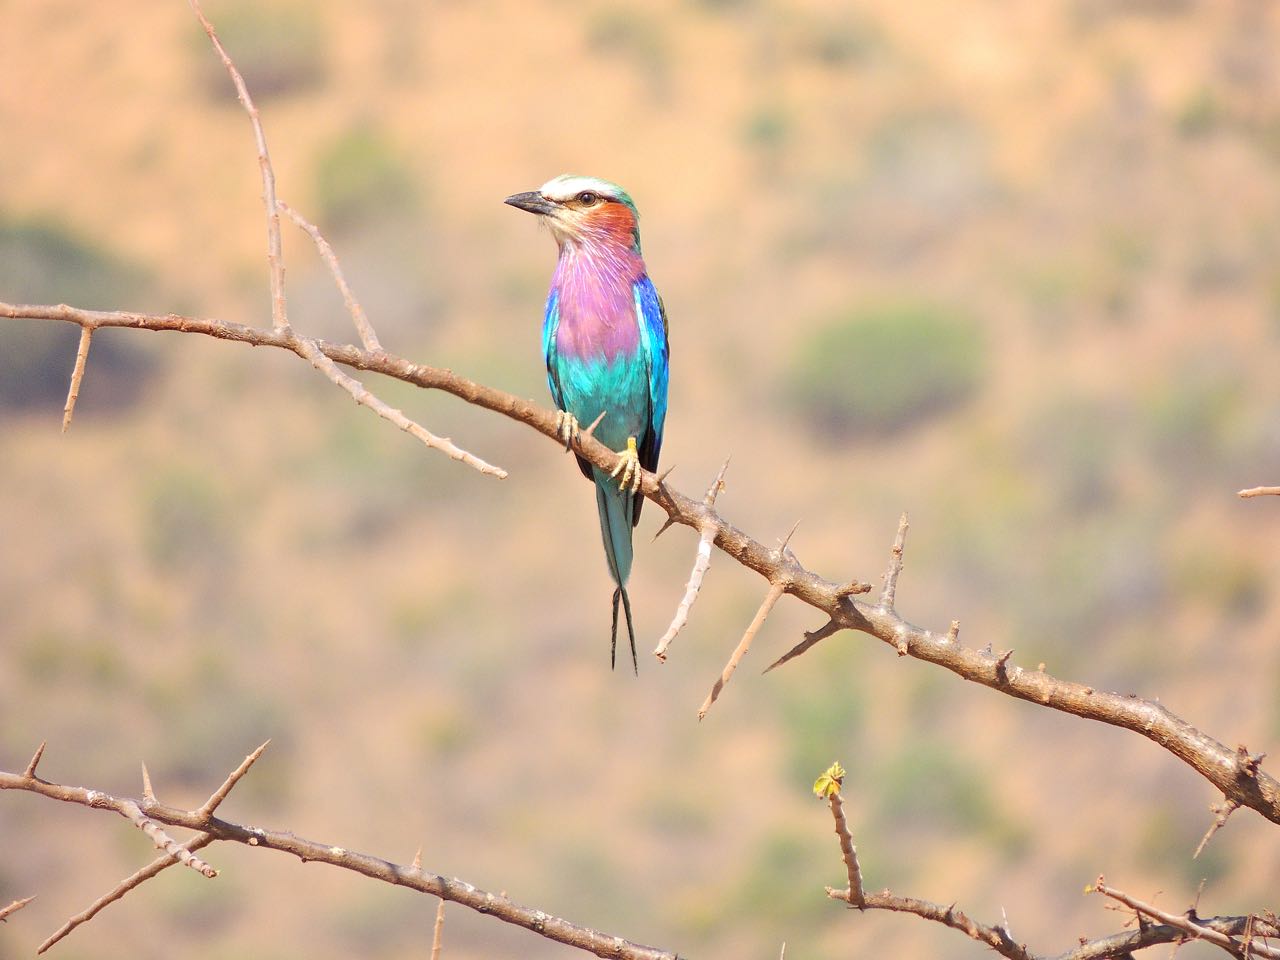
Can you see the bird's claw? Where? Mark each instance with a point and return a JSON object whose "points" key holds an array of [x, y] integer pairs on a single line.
{"points": [[629, 468], [567, 429]]}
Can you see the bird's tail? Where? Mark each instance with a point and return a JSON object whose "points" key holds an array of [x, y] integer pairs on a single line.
{"points": [[617, 511]]}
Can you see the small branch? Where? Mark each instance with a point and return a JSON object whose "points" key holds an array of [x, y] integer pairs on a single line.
{"points": [[775, 591], [438, 932], [1259, 492], [275, 251], [701, 563], [162, 862], [363, 327], [1187, 923], [130, 810], [11, 909], [215, 799], [996, 938], [77, 375], [214, 829], [811, 637], [890, 592], [1222, 811], [829, 785], [312, 351]]}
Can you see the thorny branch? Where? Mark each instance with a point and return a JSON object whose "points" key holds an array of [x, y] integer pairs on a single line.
{"points": [[1235, 773], [213, 829], [1251, 788], [1169, 927], [1217, 763]]}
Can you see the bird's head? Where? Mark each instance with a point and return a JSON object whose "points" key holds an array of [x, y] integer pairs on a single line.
{"points": [[584, 211]]}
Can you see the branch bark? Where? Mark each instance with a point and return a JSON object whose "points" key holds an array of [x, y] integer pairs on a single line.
{"points": [[211, 828], [1249, 786]]}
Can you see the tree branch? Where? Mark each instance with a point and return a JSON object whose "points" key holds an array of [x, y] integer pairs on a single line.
{"points": [[213, 829], [1213, 760], [1171, 928], [11, 909]]}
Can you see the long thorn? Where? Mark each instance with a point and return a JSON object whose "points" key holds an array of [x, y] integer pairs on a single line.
{"points": [[30, 772]]}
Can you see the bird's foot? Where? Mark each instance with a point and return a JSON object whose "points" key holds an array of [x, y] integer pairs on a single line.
{"points": [[629, 468], [567, 429]]}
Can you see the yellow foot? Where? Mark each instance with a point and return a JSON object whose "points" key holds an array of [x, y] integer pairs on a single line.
{"points": [[629, 467], [566, 428]]}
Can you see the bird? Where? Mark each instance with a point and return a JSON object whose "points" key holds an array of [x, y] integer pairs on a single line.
{"points": [[604, 338]]}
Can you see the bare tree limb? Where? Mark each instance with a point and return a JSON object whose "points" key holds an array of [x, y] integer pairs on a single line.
{"points": [[217, 829], [1170, 928], [1190, 925], [1213, 760]]}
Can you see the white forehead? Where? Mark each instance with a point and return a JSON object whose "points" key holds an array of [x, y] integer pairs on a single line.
{"points": [[569, 185]]}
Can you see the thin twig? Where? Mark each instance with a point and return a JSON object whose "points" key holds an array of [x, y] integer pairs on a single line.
{"points": [[1189, 925], [775, 591], [131, 810], [312, 351], [890, 592], [11, 909], [1222, 811], [446, 888], [701, 563], [275, 252], [811, 637], [215, 799], [363, 327], [438, 933], [1259, 492], [162, 862], [848, 852], [77, 375]]}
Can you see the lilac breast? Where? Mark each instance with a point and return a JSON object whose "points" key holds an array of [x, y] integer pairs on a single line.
{"points": [[597, 303]]}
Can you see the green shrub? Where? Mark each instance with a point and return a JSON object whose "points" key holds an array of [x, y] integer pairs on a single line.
{"points": [[883, 369], [361, 177], [279, 49]]}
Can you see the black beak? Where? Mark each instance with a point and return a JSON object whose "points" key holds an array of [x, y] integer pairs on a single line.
{"points": [[532, 201]]}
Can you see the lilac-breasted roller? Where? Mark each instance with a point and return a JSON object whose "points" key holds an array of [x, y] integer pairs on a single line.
{"points": [[604, 335]]}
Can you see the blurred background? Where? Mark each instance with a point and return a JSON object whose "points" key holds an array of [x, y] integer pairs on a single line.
{"points": [[1010, 267]]}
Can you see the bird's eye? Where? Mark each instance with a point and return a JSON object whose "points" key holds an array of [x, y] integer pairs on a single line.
{"points": [[586, 197]]}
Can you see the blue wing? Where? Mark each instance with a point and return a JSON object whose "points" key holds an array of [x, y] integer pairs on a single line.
{"points": [[655, 348]]}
